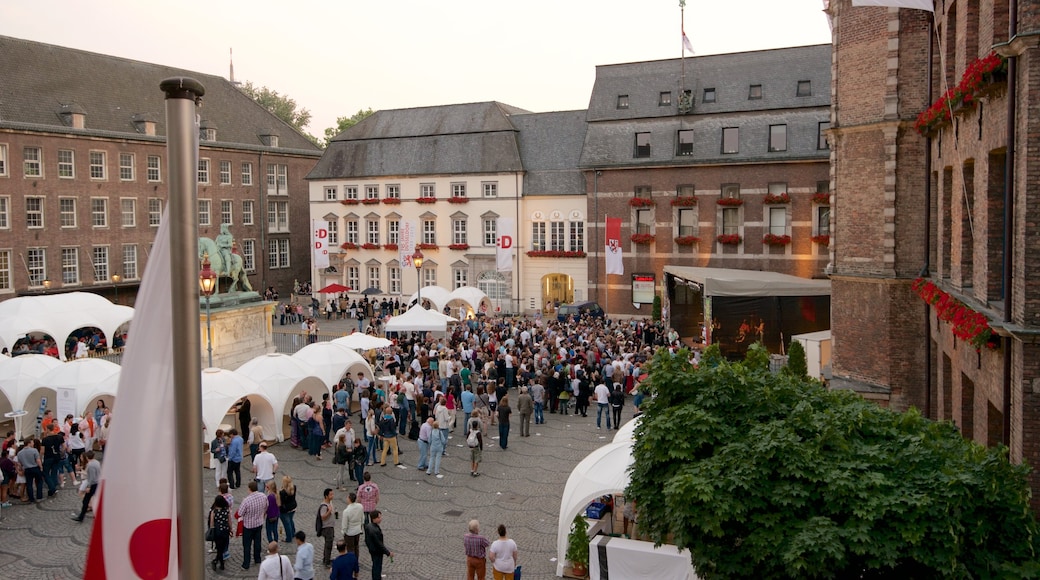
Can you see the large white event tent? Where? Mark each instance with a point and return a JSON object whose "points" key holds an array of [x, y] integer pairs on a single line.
{"points": [[59, 315], [329, 362], [282, 378], [418, 319], [221, 389], [441, 297], [18, 376]]}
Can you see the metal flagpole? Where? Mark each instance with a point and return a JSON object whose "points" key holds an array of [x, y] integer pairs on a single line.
{"points": [[183, 96]]}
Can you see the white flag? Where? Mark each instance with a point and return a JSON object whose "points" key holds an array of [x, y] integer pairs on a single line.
{"points": [[134, 535], [406, 243], [687, 45], [506, 228], [320, 239], [614, 259], [918, 4]]}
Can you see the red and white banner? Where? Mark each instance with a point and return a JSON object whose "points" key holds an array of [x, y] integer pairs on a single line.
{"points": [[615, 264], [320, 243], [928, 5], [406, 243], [134, 534], [506, 239]]}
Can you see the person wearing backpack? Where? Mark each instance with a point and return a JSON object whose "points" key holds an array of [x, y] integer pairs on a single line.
{"points": [[475, 440]]}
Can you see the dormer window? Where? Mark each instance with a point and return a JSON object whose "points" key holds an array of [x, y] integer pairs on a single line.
{"points": [[622, 101], [754, 92], [269, 139], [804, 89], [665, 99], [709, 96]]}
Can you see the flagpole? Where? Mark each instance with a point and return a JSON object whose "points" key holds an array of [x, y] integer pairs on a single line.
{"points": [[682, 46], [183, 96]]}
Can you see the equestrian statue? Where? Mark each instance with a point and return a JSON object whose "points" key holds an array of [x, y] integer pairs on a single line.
{"points": [[225, 260]]}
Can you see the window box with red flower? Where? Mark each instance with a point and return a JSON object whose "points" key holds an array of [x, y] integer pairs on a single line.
{"points": [[821, 198], [730, 201], [389, 246], [556, 254], [370, 200], [686, 240], [643, 238], [392, 200], [348, 201], [348, 246], [776, 198], [982, 77], [369, 246], [728, 239], [822, 239], [641, 202], [687, 201], [458, 247], [426, 200], [458, 199], [966, 324], [776, 240], [427, 246]]}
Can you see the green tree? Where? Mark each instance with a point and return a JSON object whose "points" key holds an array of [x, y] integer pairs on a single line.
{"points": [[344, 123], [281, 106], [757, 357], [796, 365], [712, 356], [655, 311], [773, 476]]}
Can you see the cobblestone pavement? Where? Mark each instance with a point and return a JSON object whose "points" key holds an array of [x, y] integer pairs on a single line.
{"points": [[424, 519]]}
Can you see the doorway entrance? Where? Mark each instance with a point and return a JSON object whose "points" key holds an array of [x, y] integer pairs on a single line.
{"points": [[556, 289]]}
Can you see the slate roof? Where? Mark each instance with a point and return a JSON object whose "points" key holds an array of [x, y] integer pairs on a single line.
{"points": [[468, 138], [37, 79], [550, 146]]}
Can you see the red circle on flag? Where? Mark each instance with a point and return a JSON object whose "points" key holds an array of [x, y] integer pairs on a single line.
{"points": [[150, 549]]}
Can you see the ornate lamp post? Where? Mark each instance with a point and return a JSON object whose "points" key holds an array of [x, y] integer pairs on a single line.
{"points": [[207, 284], [116, 278], [417, 260]]}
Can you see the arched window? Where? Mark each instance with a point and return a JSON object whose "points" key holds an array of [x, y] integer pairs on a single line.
{"points": [[494, 285]]}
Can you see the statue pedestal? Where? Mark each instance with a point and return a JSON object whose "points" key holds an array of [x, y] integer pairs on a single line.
{"points": [[241, 330]]}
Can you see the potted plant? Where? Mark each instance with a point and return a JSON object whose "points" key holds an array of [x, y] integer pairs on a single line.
{"points": [[641, 202], [458, 246], [348, 202], [458, 199], [426, 200], [776, 240], [822, 239], [348, 246], [729, 239], [686, 240], [687, 201], [369, 246], [643, 238], [389, 246], [730, 201], [578, 546], [822, 198], [556, 254], [776, 198], [426, 246], [392, 200], [370, 200]]}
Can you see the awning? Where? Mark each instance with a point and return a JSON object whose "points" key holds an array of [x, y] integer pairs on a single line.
{"points": [[730, 282]]}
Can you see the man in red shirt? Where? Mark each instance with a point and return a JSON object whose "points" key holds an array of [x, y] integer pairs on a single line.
{"points": [[253, 512]]}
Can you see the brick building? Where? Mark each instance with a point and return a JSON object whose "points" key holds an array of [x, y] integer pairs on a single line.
{"points": [[83, 173], [668, 140], [950, 197]]}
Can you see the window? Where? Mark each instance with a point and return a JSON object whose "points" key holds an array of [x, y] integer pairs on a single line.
{"points": [[460, 278], [664, 99], [393, 231], [128, 212], [247, 212], [822, 219], [577, 237], [458, 190], [538, 236], [249, 255], [70, 265], [127, 170], [429, 274], [3, 170], [67, 212], [684, 191], [643, 191], [458, 231], [429, 231], [427, 190], [622, 101], [5, 211], [99, 212], [66, 164], [99, 258], [754, 92], [374, 277], [333, 230], [709, 96], [154, 170], [393, 191], [373, 231], [489, 188], [821, 135], [778, 221], [277, 216], [36, 264], [730, 140], [225, 173], [687, 222], [371, 192], [353, 278], [204, 212], [490, 231], [226, 211], [494, 285], [644, 221], [130, 262], [5, 270], [731, 190], [823, 187], [685, 146], [154, 211], [277, 179], [34, 212], [557, 236], [804, 89], [98, 163], [203, 170], [32, 161], [393, 274], [247, 174], [642, 146], [778, 137], [350, 192], [352, 233], [278, 254], [730, 220]]}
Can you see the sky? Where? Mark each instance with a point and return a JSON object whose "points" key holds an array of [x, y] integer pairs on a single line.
{"points": [[335, 57]]}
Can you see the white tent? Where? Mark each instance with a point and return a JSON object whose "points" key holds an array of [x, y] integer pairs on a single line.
{"points": [[59, 315], [627, 431], [282, 377], [221, 389], [360, 341], [329, 362], [437, 296], [86, 376], [472, 297], [19, 374], [419, 319]]}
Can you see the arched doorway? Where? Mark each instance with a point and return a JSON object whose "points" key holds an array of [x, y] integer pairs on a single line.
{"points": [[556, 289]]}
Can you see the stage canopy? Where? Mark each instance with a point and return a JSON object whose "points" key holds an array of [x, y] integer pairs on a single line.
{"points": [[749, 283]]}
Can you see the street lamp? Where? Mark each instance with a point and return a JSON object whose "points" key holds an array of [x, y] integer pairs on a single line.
{"points": [[417, 260], [46, 285], [207, 284], [116, 278]]}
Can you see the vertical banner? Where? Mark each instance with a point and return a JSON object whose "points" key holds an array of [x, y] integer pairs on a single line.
{"points": [[506, 235], [615, 264], [406, 243], [320, 242], [66, 404]]}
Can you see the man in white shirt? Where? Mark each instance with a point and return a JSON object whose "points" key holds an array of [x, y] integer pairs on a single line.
{"points": [[275, 566], [265, 465], [409, 396], [602, 404]]}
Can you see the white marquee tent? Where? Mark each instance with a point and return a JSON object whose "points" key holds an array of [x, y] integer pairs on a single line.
{"points": [[19, 374], [329, 362], [419, 319], [59, 315], [282, 377], [441, 297], [437, 296], [221, 389]]}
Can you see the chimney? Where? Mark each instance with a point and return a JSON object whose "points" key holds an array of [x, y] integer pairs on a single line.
{"points": [[73, 115], [144, 123]]}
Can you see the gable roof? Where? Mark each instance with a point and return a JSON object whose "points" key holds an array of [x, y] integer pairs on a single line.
{"points": [[550, 147], [38, 79]]}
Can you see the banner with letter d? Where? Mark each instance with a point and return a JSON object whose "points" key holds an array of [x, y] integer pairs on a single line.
{"points": [[320, 239], [506, 238]]}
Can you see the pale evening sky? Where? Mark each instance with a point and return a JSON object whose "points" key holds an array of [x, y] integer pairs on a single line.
{"points": [[335, 57]]}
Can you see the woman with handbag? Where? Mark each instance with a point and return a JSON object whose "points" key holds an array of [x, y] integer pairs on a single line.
{"points": [[219, 529]]}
